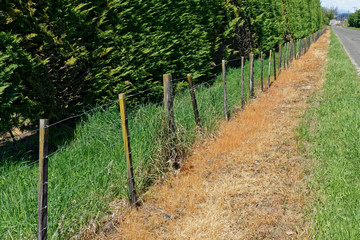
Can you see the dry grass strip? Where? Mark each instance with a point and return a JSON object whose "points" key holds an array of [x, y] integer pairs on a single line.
{"points": [[247, 183]]}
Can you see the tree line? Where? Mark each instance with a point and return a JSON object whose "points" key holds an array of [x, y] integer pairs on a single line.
{"points": [[354, 19], [59, 57]]}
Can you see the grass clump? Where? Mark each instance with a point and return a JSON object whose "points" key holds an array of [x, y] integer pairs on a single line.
{"points": [[331, 133]]}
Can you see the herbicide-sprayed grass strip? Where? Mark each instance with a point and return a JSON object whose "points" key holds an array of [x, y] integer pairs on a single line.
{"points": [[330, 133], [245, 183]]}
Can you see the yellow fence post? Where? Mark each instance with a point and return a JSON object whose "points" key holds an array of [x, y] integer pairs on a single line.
{"points": [[43, 179], [126, 138]]}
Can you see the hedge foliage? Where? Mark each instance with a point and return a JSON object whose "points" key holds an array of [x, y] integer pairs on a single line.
{"points": [[58, 57], [354, 19]]}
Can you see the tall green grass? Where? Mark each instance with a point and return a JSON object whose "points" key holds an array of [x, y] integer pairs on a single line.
{"points": [[89, 171], [331, 133]]}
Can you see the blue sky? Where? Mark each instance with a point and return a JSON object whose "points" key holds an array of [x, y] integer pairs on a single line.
{"points": [[342, 4]]}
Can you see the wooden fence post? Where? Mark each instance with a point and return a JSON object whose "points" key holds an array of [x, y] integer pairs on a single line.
{"points": [[304, 46], [168, 102], [269, 72], [292, 50], [280, 57], [242, 82], [43, 179], [285, 54], [126, 138], [193, 100], [298, 49], [288, 53], [224, 90], [308, 44], [251, 75], [274, 64], [262, 71]]}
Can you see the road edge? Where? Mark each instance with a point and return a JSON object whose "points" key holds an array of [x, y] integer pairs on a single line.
{"points": [[351, 59]]}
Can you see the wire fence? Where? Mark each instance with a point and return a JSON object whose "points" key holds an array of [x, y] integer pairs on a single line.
{"points": [[60, 193]]}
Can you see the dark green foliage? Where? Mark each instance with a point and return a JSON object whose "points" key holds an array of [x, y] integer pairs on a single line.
{"points": [[60, 57], [354, 19], [17, 68]]}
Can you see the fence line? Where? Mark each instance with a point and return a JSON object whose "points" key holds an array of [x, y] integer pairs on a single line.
{"points": [[285, 54]]}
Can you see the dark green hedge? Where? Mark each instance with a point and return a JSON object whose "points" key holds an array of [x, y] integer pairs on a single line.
{"points": [[58, 57]]}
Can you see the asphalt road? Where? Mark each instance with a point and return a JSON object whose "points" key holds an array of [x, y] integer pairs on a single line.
{"points": [[351, 41]]}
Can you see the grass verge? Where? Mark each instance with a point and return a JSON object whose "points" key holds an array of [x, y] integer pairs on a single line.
{"points": [[353, 28], [330, 133]]}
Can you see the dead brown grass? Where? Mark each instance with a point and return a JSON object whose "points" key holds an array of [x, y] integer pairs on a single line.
{"points": [[248, 183]]}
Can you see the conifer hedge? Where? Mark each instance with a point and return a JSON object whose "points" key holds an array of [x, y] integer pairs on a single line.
{"points": [[58, 57]]}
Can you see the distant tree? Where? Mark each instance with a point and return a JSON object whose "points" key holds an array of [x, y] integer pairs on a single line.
{"points": [[354, 19], [328, 14]]}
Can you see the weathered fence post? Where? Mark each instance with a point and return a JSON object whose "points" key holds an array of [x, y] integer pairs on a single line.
{"points": [[193, 100], [168, 102], [126, 139], [304, 46], [285, 54], [269, 72], [43, 179], [262, 71], [280, 57], [292, 51], [274, 64], [170, 119], [298, 49], [224, 90], [251, 75], [288, 53], [242, 83]]}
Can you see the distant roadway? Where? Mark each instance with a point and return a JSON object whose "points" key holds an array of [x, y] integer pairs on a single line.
{"points": [[351, 41]]}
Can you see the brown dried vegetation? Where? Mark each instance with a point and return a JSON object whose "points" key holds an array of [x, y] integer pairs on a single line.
{"points": [[247, 183]]}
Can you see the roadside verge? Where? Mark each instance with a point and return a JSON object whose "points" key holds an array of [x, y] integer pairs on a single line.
{"points": [[330, 133]]}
